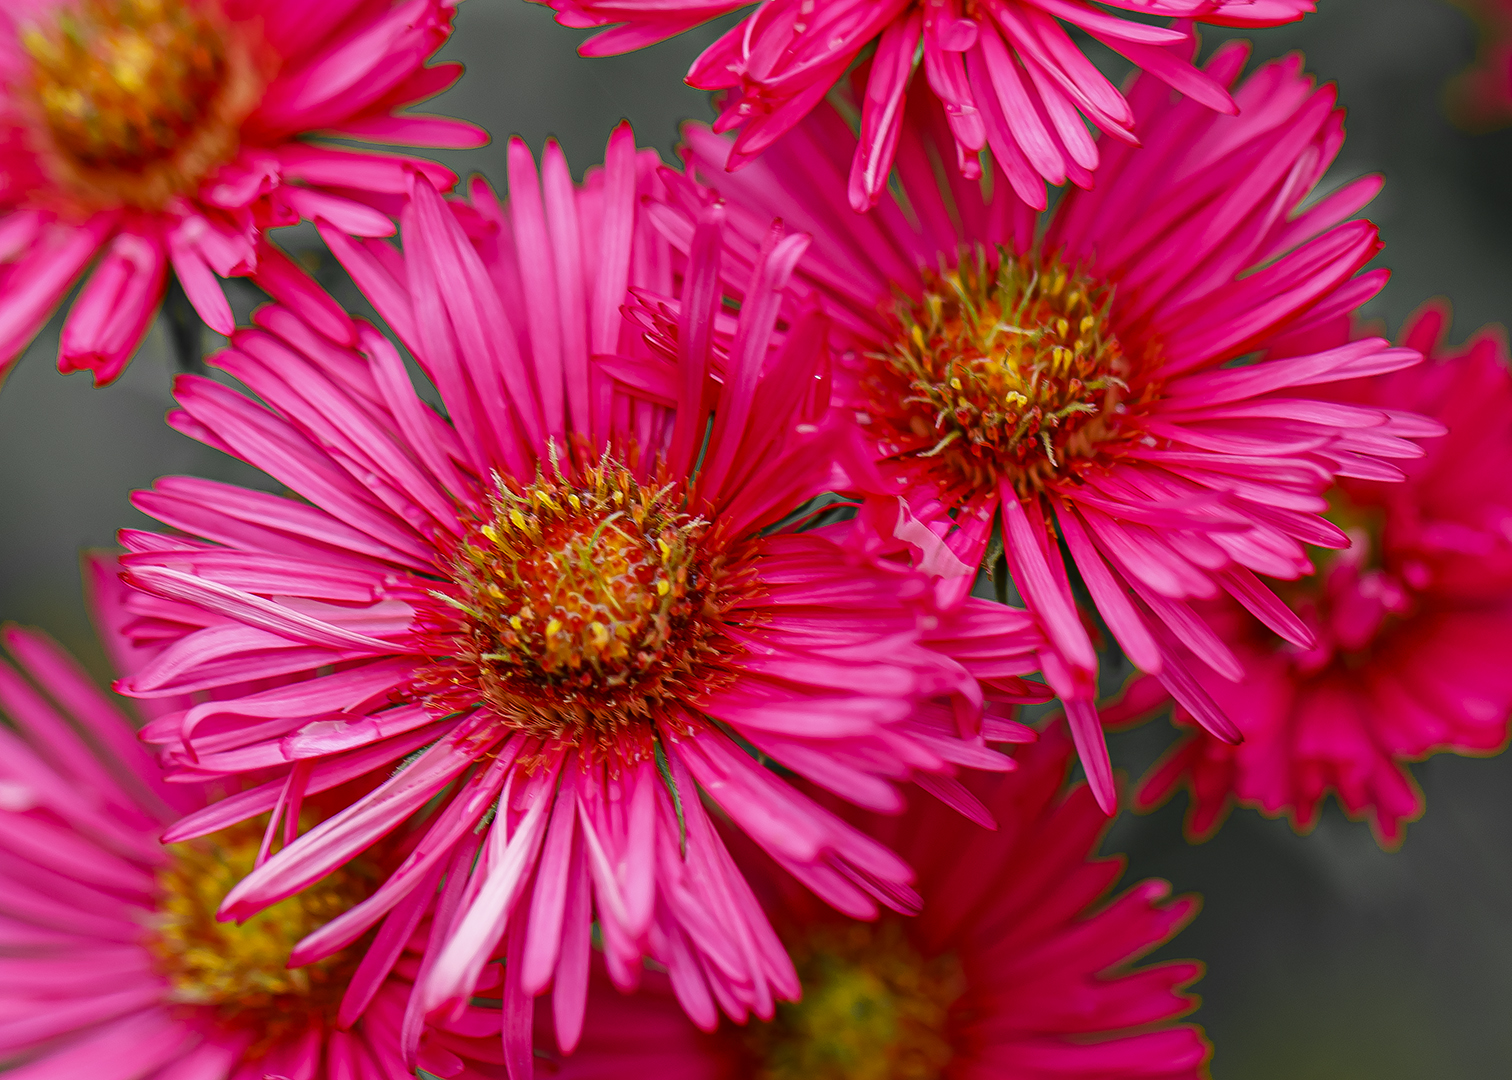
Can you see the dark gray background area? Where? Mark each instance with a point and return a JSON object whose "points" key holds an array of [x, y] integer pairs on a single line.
{"points": [[1327, 958]]}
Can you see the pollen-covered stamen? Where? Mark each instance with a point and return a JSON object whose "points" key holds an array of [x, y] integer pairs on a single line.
{"points": [[240, 969], [1004, 367], [135, 101], [579, 607], [873, 1008]]}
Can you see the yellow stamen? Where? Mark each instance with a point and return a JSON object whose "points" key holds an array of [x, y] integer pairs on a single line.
{"points": [[611, 597], [986, 379]]}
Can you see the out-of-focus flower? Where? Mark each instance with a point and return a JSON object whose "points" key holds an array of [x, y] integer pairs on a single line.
{"points": [[1412, 624], [557, 622], [1014, 968], [1009, 75], [1067, 395], [1480, 97], [164, 136], [112, 964]]}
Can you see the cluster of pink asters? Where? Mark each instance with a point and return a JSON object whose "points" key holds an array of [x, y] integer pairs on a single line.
{"points": [[1052, 395], [572, 615], [566, 727]]}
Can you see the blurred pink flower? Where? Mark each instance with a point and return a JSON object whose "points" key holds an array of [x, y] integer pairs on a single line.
{"points": [[111, 963], [158, 135], [1025, 388], [559, 621], [1007, 72], [1413, 624], [1480, 97], [1017, 967]]}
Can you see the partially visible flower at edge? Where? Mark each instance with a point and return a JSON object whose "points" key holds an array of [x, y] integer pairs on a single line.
{"points": [[1043, 398], [152, 137], [1479, 98], [111, 963], [1011, 79], [1413, 623], [1017, 966], [553, 623]]}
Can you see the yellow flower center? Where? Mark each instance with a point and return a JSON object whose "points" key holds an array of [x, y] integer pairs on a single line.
{"points": [[582, 605], [240, 969], [873, 1008], [136, 101], [1004, 369]]}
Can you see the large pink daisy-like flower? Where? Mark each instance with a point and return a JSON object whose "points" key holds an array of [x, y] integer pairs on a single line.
{"points": [[112, 966], [1010, 77], [164, 136], [556, 623], [1016, 967], [1065, 392], [1413, 624]]}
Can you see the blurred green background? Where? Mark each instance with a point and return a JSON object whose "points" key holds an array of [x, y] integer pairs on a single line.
{"points": [[1327, 958]]}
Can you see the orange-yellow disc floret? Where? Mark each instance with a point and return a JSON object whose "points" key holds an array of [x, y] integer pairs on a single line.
{"points": [[578, 608], [1004, 368], [240, 969], [135, 101], [873, 1008]]}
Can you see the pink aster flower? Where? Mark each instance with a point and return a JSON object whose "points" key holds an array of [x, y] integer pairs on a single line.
{"points": [[111, 962], [1017, 967], [1412, 624], [1007, 72], [158, 136], [556, 623], [1059, 394]]}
